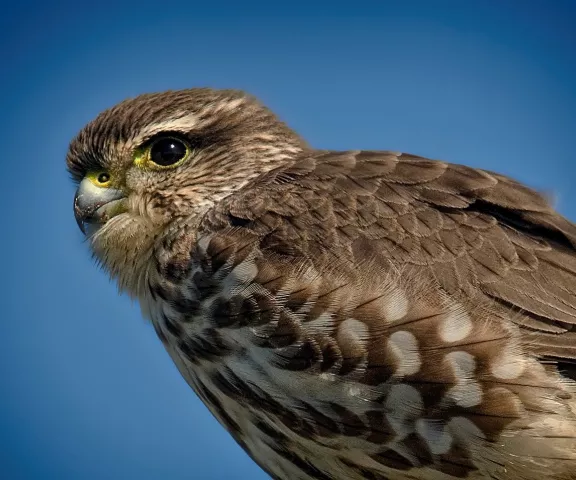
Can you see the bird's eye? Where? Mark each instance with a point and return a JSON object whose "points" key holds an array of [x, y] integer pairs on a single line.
{"points": [[168, 151]]}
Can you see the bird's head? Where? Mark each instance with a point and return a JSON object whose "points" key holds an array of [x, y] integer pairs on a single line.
{"points": [[160, 158]]}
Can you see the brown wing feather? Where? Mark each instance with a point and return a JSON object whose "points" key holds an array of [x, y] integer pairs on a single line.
{"points": [[474, 231]]}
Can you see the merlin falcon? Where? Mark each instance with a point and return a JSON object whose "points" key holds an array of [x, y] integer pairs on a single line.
{"points": [[343, 314]]}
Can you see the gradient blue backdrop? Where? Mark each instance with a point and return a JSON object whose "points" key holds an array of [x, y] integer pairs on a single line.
{"points": [[86, 390]]}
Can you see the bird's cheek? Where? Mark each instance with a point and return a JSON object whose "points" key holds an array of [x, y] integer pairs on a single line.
{"points": [[139, 181], [137, 205], [144, 206]]}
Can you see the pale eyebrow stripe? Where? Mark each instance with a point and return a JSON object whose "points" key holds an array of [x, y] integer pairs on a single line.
{"points": [[183, 123]]}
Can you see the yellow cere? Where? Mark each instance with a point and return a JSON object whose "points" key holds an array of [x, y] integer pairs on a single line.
{"points": [[100, 179]]}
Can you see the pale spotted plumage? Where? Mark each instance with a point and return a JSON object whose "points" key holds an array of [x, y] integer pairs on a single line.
{"points": [[348, 315]]}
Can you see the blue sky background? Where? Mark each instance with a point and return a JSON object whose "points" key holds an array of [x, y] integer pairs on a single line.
{"points": [[86, 390]]}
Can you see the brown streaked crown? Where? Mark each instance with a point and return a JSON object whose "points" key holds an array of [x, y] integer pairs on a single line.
{"points": [[223, 117]]}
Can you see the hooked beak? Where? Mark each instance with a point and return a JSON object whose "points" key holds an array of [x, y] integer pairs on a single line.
{"points": [[97, 205]]}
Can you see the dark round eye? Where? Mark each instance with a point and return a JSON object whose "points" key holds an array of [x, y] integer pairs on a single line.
{"points": [[103, 177], [168, 151]]}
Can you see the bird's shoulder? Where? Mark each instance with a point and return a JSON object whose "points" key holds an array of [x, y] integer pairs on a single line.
{"points": [[377, 192], [473, 231]]}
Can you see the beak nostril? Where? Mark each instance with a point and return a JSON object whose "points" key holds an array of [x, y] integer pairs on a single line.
{"points": [[94, 205]]}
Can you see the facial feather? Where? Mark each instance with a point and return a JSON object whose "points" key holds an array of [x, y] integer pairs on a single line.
{"points": [[233, 139]]}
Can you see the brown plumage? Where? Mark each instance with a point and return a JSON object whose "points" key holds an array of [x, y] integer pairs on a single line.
{"points": [[344, 315]]}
